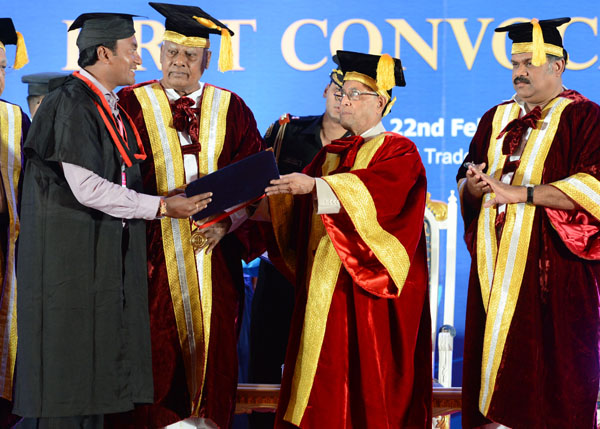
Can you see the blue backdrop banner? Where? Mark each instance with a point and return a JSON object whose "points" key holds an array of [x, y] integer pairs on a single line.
{"points": [[456, 67]]}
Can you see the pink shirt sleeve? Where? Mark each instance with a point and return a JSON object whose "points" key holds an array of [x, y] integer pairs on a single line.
{"points": [[98, 193]]}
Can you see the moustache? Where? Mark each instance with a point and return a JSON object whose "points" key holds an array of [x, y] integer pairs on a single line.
{"points": [[521, 79]]}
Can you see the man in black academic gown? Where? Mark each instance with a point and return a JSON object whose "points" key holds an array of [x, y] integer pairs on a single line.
{"points": [[84, 344]]}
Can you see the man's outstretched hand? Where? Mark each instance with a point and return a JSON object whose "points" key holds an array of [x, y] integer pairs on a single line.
{"points": [[294, 183]]}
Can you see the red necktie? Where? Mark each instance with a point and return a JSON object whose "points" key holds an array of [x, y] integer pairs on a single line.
{"points": [[346, 148], [184, 117], [516, 128]]}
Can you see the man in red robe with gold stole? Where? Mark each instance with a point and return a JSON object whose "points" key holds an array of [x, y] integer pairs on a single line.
{"points": [[359, 353], [530, 196], [189, 129], [14, 124]]}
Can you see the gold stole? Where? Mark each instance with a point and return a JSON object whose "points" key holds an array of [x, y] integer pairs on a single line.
{"points": [[358, 203], [10, 168], [501, 266], [584, 189], [190, 275]]}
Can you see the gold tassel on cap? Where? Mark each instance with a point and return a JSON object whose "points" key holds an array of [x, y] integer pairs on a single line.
{"points": [[385, 73], [389, 107], [21, 57], [537, 43], [226, 52]]}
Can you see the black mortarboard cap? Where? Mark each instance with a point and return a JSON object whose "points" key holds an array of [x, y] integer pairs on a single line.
{"points": [[10, 36], [384, 71], [538, 37], [180, 19], [102, 27], [41, 83], [191, 26]]}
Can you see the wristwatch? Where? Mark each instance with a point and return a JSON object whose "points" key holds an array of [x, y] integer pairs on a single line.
{"points": [[162, 212], [530, 189]]}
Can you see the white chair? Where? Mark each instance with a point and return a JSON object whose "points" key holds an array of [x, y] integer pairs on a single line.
{"points": [[442, 216]]}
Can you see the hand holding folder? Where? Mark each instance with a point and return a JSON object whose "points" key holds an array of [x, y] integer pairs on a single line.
{"points": [[236, 183]]}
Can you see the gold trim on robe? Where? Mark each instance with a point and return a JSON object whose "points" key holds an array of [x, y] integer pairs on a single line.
{"points": [[584, 189], [189, 274], [487, 247], [10, 168], [323, 278], [509, 264], [213, 124]]}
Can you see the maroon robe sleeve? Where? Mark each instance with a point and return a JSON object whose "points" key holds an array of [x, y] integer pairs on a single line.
{"points": [[477, 154], [580, 229]]}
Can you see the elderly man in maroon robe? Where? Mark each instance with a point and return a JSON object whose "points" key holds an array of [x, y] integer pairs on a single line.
{"points": [[531, 204], [189, 129], [359, 354]]}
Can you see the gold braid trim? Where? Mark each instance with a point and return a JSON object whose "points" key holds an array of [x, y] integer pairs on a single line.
{"points": [[513, 250], [180, 39], [323, 278], [212, 129], [322, 281], [10, 168], [367, 80], [584, 189], [487, 247], [356, 199], [527, 47]]}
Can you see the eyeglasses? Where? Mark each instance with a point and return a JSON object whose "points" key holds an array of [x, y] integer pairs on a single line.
{"points": [[353, 94]]}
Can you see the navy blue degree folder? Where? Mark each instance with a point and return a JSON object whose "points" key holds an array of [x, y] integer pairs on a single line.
{"points": [[236, 183]]}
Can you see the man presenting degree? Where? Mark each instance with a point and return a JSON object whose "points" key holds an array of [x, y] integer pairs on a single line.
{"points": [[359, 353]]}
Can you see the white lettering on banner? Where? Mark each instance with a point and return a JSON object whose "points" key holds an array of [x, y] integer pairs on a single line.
{"points": [[469, 44], [288, 45], [429, 53], [410, 127], [467, 128], [434, 156], [468, 51]]}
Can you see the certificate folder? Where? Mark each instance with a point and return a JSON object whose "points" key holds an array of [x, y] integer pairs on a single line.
{"points": [[236, 183]]}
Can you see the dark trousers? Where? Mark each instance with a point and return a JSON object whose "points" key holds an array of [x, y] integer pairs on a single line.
{"points": [[74, 422], [272, 308]]}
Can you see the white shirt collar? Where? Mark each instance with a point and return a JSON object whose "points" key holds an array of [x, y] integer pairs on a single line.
{"points": [[109, 96], [172, 95], [372, 132]]}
